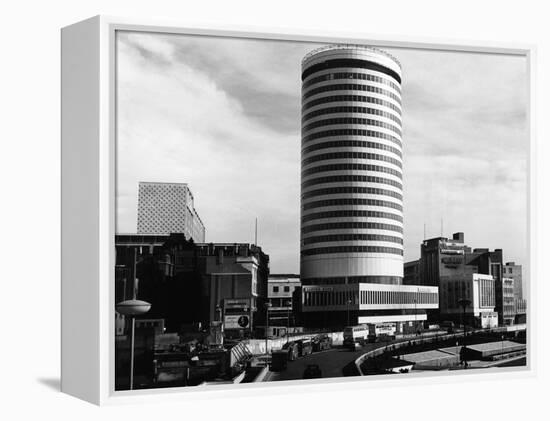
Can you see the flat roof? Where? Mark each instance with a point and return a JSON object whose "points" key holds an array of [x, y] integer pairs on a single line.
{"points": [[419, 357], [494, 346]]}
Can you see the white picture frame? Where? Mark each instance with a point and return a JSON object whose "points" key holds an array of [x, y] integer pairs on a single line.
{"points": [[88, 203]]}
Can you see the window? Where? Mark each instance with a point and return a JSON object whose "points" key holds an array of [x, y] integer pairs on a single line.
{"points": [[352, 144], [351, 178], [275, 289], [351, 237], [286, 289], [351, 132]]}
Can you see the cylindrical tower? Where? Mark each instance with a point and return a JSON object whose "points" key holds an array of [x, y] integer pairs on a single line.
{"points": [[352, 191]]}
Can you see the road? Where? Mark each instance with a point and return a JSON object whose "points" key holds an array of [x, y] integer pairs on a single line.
{"points": [[335, 362]]}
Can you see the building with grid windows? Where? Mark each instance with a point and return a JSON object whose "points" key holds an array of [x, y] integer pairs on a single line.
{"points": [[280, 292], [165, 208], [351, 262], [511, 270], [478, 289]]}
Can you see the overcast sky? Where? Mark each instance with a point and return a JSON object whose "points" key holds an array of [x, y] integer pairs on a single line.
{"points": [[223, 115]]}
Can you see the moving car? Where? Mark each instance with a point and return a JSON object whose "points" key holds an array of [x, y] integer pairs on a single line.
{"points": [[312, 371]]}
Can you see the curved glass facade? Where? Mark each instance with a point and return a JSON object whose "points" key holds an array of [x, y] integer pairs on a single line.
{"points": [[352, 193]]}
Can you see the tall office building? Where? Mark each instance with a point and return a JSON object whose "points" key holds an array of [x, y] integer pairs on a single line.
{"points": [[351, 263], [352, 192], [166, 208]]}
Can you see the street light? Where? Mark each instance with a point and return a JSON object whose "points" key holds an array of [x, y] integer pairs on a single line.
{"points": [[132, 308], [349, 303], [464, 302], [288, 305], [267, 305]]}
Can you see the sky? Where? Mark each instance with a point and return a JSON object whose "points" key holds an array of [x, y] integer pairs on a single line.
{"points": [[223, 115]]}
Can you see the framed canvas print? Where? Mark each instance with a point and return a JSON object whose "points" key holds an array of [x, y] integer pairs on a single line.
{"points": [[248, 210]]}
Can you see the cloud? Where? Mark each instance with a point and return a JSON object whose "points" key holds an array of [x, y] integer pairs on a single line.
{"points": [[465, 149], [223, 115], [180, 123]]}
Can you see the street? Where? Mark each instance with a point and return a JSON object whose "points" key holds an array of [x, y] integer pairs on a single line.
{"points": [[335, 362]]}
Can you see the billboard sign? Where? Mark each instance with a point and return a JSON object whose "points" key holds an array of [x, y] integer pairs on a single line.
{"points": [[383, 329], [236, 303], [237, 321]]}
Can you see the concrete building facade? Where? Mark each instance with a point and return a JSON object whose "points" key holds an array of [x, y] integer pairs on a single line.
{"points": [[191, 284], [513, 271], [478, 289], [352, 193], [280, 292], [166, 208], [506, 301], [443, 259], [351, 260]]}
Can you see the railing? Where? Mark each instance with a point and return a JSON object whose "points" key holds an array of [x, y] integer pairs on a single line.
{"points": [[353, 46]]}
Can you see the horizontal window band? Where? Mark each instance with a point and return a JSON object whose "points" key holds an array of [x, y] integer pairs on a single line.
{"points": [[350, 98], [352, 63], [351, 249], [352, 202], [351, 178], [351, 132], [352, 155], [351, 167], [351, 190], [351, 144], [373, 279], [351, 87], [351, 237], [351, 120], [351, 76], [352, 109], [351, 225], [351, 213]]}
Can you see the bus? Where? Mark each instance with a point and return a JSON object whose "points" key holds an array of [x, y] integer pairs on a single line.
{"points": [[381, 332], [355, 335]]}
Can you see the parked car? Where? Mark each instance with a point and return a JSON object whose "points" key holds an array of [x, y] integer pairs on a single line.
{"points": [[312, 371], [321, 342], [304, 347], [292, 349], [279, 360]]}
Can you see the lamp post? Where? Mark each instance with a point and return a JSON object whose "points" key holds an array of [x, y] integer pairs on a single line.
{"points": [[415, 321], [464, 303], [267, 306], [132, 308], [288, 304], [349, 303]]}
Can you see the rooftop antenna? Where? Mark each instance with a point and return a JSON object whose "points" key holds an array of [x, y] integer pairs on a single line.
{"points": [[256, 233], [441, 227]]}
